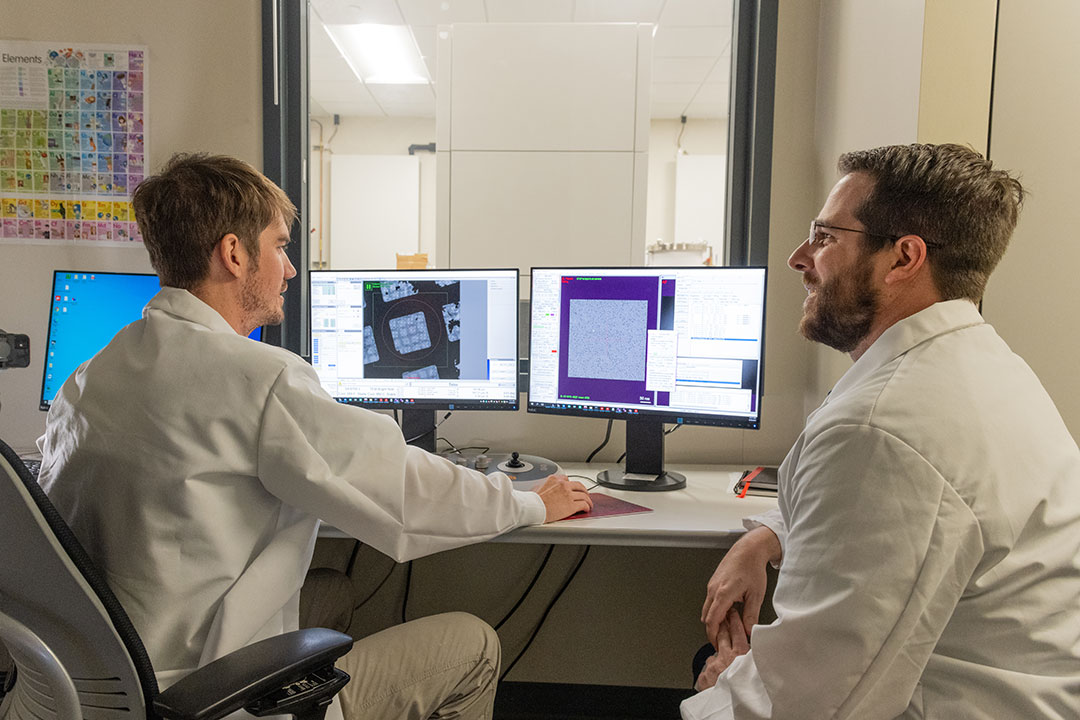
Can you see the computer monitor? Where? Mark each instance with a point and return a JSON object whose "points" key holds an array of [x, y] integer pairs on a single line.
{"points": [[86, 308], [417, 341], [649, 345]]}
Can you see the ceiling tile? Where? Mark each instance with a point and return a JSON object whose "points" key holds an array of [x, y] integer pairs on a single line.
{"points": [[637, 11], [426, 41], [413, 94], [686, 70], [674, 92], [707, 109], [695, 13], [345, 12], [539, 11], [721, 72], [442, 12], [666, 109], [691, 41]]}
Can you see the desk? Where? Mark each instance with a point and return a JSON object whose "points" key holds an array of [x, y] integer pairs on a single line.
{"points": [[704, 514]]}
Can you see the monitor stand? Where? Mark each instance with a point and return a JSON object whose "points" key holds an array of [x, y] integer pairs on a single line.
{"points": [[418, 427], [644, 461]]}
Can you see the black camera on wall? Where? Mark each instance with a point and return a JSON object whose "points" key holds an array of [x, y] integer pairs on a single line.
{"points": [[14, 350]]}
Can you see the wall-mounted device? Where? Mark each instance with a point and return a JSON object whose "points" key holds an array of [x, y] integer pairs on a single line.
{"points": [[14, 350]]}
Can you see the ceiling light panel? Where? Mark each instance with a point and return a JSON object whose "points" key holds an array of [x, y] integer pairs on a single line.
{"points": [[381, 54]]}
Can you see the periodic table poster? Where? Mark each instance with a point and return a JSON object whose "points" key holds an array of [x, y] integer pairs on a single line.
{"points": [[72, 142]]}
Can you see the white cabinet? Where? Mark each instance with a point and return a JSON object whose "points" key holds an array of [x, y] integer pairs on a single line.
{"points": [[542, 136]]}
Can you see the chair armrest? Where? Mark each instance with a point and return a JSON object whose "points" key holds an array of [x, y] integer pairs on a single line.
{"points": [[244, 676]]}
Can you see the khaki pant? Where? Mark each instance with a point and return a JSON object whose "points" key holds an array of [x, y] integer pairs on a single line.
{"points": [[441, 666]]}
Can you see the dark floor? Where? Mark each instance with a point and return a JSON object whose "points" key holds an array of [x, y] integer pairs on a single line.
{"points": [[548, 701]]}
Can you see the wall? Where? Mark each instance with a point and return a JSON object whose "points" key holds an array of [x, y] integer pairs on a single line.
{"points": [[1031, 298], [868, 83], [194, 106], [957, 69]]}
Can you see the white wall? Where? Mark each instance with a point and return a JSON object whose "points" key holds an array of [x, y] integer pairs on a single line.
{"points": [[868, 79], [1032, 297], [194, 106]]}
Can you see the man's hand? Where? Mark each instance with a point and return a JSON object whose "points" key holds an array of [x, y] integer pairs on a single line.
{"points": [[731, 644], [740, 578], [563, 497]]}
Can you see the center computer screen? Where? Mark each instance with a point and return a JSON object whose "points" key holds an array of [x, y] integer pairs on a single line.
{"points": [[416, 338], [681, 345]]}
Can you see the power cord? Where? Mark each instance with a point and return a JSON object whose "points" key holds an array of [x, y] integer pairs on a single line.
{"points": [[373, 593], [607, 436], [547, 611], [405, 599], [352, 558], [595, 484], [428, 432], [543, 564]]}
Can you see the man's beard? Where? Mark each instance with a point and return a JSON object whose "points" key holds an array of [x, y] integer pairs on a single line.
{"points": [[841, 311], [256, 310]]}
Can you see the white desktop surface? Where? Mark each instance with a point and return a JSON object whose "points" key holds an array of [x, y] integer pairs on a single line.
{"points": [[704, 514]]}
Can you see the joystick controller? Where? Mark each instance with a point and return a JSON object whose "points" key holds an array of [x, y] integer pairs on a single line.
{"points": [[514, 463]]}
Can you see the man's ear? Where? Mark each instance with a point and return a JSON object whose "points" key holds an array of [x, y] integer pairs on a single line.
{"points": [[908, 259], [232, 255]]}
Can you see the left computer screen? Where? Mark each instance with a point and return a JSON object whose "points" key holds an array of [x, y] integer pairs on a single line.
{"points": [[416, 339], [85, 310]]}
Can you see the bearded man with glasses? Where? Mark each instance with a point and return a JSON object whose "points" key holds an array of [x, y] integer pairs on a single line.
{"points": [[928, 530]]}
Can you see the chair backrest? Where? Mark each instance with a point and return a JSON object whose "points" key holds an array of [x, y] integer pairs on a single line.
{"points": [[58, 618]]}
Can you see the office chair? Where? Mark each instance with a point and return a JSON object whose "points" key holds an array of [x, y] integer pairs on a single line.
{"points": [[77, 655]]}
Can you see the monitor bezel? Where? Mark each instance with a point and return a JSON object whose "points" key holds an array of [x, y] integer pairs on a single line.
{"points": [[453, 404], [650, 414]]}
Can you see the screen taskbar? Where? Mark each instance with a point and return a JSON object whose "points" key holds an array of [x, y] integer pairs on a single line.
{"points": [[666, 415], [428, 403]]}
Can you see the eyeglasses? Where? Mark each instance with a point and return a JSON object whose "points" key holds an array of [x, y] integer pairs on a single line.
{"points": [[817, 236]]}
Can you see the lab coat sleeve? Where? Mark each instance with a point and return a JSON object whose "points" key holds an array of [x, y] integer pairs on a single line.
{"points": [[774, 520], [879, 551], [351, 468]]}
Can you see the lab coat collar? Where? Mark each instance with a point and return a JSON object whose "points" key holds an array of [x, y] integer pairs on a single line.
{"points": [[938, 319], [182, 304]]}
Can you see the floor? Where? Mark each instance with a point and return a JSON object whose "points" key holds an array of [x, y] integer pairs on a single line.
{"points": [[546, 701]]}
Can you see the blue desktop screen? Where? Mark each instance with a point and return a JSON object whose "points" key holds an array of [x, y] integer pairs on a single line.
{"points": [[85, 311]]}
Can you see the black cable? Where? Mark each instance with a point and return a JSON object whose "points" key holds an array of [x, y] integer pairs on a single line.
{"points": [[607, 436], [481, 448], [428, 432], [543, 617], [378, 587], [525, 594], [352, 558], [405, 600], [586, 477]]}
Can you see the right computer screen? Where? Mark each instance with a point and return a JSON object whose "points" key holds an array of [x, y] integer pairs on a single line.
{"points": [[649, 345]]}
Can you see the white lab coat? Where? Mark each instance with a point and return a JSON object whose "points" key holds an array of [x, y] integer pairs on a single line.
{"points": [[194, 465], [930, 521]]}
